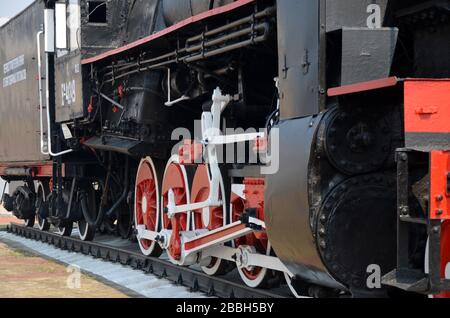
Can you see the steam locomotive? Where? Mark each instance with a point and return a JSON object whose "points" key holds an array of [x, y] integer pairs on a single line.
{"points": [[296, 141]]}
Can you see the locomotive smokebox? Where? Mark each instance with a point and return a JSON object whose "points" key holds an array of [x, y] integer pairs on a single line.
{"points": [[287, 214], [328, 228]]}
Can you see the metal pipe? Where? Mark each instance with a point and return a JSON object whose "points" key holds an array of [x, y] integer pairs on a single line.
{"points": [[162, 65], [197, 57], [228, 37], [229, 48], [130, 65], [111, 101], [266, 12]]}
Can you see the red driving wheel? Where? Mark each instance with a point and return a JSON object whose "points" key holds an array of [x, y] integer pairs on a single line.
{"points": [[209, 218], [146, 208], [175, 180]]}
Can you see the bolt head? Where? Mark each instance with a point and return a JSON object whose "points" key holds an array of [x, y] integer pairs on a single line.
{"points": [[404, 210]]}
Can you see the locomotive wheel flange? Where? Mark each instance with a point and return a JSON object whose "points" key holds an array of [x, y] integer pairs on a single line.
{"points": [[355, 143], [356, 228]]}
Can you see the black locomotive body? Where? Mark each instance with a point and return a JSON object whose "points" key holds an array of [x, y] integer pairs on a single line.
{"points": [[119, 82]]}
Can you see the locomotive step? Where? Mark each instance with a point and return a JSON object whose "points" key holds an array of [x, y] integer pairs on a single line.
{"points": [[413, 281], [407, 280]]}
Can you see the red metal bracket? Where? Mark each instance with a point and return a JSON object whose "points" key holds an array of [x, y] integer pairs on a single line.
{"points": [[439, 185], [363, 87]]}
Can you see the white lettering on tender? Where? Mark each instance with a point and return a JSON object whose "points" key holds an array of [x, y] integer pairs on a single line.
{"points": [[14, 64], [15, 78], [68, 93]]}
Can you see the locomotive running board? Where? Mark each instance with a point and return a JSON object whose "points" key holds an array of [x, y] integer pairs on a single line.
{"points": [[196, 281]]}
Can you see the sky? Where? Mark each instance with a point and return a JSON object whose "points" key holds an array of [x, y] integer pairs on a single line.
{"points": [[8, 9]]}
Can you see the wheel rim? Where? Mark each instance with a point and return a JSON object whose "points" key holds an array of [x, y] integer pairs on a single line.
{"points": [[41, 199], [256, 276], [146, 208], [445, 257], [176, 180], [207, 218], [64, 230], [29, 222], [85, 231]]}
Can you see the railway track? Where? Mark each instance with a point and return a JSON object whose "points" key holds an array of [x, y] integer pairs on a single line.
{"points": [[126, 253]]}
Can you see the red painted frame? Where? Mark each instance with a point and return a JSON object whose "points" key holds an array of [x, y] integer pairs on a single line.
{"points": [[363, 86], [427, 106], [39, 170], [439, 195]]}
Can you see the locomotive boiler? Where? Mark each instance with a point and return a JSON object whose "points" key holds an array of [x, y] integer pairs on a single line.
{"points": [[295, 141]]}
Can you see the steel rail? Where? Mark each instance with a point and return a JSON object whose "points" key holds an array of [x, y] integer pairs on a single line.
{"points": [[195, 280]]}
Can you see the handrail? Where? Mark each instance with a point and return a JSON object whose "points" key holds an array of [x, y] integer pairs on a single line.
{"points": [[49, 126], [41, 101]]}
